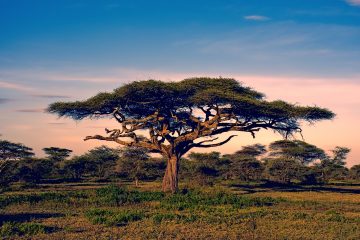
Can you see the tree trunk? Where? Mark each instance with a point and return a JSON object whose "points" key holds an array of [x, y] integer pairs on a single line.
{"points": [[136, 182], [170, 180]]}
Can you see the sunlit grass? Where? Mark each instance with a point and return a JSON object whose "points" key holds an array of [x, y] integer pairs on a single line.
{"points": [[216, 212]]}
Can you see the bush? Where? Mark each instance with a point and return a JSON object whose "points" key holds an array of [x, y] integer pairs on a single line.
{"points": [[41, 197], [9, 229], [115, 196], [110, 218], [194, 199], [284, 170], [160, 217]]}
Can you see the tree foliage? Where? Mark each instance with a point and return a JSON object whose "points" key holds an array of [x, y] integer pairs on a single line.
{"points": [[57, 154], [298, 150], [355, 172], [14, 151], [339, 155], [133, 163], [284, 170], [102, 160], [11, 152]]}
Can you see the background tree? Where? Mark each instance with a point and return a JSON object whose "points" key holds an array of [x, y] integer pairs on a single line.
{"points": [[33, 170], [339, 155], [101, 161], [133, 163], [333, 167], [244, 163], [355, 172], [205, 167], [250, 151], [76, 167], [9, 154], [57, 154], [284, 170], [14, 151], [179, 116], [301, 151]]}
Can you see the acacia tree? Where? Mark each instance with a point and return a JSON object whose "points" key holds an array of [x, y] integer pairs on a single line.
{"points": [[57, 154], [298, 150], [132, 162], [11, 152], [244, 163], [179, 116], [102, 160], [333, 167]]}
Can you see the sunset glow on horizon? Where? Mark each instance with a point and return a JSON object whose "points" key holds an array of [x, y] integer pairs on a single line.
{"points": [[71, 50]]}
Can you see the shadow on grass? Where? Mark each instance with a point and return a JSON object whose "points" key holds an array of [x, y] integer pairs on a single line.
{"points": [[273, 186], [25, 217]]}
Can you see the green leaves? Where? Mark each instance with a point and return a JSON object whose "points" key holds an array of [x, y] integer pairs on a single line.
{"points": [[175, 102], [14, 151]]}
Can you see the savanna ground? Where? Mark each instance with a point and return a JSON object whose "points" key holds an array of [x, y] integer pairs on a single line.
{"points": [[224, 211]]}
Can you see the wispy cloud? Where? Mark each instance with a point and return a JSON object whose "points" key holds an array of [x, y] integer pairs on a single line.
{"points": [[76, 75], [353, 2], [256, 18], [35, 110], [57, 123], [15, 86], [4, 100], [49, 96]]}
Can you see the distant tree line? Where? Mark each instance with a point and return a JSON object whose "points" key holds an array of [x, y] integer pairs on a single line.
{"points": [[283, 161]]}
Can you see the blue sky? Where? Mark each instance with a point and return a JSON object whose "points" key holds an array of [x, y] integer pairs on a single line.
{"points": [[71, 49], [308, 37]]}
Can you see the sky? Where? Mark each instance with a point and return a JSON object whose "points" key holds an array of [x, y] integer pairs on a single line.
{"points": [[301, 51]]}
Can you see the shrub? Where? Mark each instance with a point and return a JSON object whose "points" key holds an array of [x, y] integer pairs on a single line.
{"points": [[160, 217], [9, 229], [110, 218], [42, 197], [194, 199], [334, 216], [115, 196]]}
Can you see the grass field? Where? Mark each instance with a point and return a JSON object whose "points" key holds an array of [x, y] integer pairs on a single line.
{"points": [[225, 211]]}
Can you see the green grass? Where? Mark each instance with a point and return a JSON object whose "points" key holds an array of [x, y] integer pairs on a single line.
{"points": [[219, 212]]}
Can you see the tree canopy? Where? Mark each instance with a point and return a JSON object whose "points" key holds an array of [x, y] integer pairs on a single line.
{"points": [[14, 151], [177, 114], [296, 150], [57, 154]]}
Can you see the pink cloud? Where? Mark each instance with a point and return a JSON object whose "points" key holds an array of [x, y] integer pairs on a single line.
{"points": [[256, 18], [354, 2], [14, 86]]}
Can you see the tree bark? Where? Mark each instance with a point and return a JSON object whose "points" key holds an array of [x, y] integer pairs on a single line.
{"points": [[170, 180], [136, 182]]}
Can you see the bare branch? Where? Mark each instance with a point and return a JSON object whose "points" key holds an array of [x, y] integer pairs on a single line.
{"points": [[214, 144]]}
